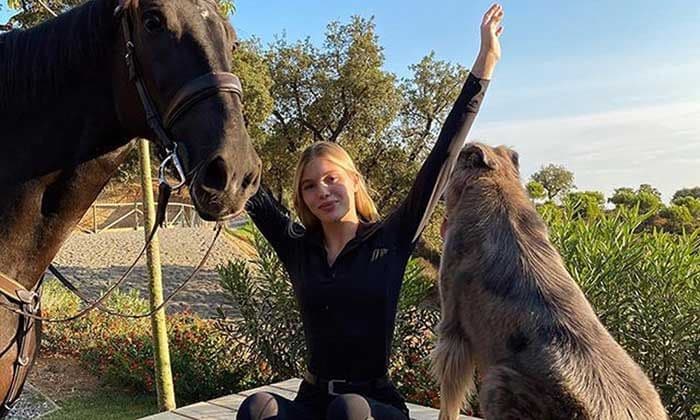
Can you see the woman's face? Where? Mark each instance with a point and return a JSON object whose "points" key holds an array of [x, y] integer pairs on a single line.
{"points": [[329, 191]]}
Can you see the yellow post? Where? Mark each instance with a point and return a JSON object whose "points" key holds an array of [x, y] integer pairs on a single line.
{"points": [[164, 376]]}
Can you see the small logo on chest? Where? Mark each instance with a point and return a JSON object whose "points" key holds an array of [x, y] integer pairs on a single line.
{"points": [[378, 253]]}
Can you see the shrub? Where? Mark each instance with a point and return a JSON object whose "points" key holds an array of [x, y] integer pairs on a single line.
{"points": [[645, 287], [205, 364], [270, 320]]}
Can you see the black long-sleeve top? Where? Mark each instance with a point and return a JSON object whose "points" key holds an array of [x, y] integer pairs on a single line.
{"points": [[349, 308]]}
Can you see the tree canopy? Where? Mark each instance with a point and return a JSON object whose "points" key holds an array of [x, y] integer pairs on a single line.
{"points": [[555, 179]]}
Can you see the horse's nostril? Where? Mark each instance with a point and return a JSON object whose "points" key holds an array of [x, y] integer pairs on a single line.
{"points": [[215, 175]]}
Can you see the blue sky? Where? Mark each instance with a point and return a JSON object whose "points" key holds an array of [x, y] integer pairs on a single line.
{"points": [[608, 89]]}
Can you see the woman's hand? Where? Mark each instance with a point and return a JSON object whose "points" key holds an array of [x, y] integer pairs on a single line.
{"points": [[490, 51]]}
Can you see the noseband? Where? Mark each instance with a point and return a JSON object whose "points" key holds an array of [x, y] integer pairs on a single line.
{"points": [[193, 92]]}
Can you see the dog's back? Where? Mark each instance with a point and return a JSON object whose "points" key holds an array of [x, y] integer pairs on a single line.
{"points": [[510, 308]]}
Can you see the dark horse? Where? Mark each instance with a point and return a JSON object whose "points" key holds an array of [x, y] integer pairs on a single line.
{"points": [[68, 113]]}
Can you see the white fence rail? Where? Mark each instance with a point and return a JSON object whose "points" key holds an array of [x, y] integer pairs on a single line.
{"points": [[130, 216]]}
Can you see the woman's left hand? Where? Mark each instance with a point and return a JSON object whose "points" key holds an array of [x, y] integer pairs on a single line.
{"points": [[491, 30], [490, 51]]}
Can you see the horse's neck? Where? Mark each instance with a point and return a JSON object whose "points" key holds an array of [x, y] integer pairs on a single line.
{"points": [[38, 215], [52, 170]]}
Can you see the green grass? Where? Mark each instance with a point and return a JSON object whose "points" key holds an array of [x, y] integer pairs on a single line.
{"points": [[105, 405]]}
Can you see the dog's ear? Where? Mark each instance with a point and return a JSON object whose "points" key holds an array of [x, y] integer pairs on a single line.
{"points": [[477, 155], [515, 158]]}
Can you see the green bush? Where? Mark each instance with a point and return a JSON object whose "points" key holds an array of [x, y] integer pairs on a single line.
{"points": [[585, 204], [270, 320], [645, 289], [414, 336], [677, 218], [205, 363], [414, 339]]}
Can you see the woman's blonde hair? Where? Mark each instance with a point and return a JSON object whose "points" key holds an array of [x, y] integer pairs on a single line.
{"points": [[332, 152]]}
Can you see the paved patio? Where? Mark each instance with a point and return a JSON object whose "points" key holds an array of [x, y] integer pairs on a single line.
{"points": [[226, 407]]}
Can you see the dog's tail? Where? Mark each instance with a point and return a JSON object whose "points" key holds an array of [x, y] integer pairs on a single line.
{"points": [[453, 368]]}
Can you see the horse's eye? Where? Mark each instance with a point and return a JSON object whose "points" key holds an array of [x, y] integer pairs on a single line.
{"points": [[153, 22]]}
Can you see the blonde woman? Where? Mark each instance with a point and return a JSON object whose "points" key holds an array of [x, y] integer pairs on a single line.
{"points": [[346, 265]]}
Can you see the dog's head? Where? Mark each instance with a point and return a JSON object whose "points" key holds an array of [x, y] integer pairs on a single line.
{"points": [[485, 172]]}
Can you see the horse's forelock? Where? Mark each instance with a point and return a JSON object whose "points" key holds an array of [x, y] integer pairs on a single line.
{"points": [[126, 4]]}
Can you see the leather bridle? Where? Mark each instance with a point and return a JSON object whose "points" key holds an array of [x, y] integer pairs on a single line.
{"points": [[193, 92]]}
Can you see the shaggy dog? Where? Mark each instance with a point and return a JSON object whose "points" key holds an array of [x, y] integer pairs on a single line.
{"points": [[510, 309]]}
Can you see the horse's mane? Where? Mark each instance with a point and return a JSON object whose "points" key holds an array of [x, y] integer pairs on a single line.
{"points": [[36, 64]]}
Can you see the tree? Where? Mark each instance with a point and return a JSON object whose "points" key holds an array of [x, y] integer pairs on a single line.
{"points": [[646, 197], [686, 192], [648, 189], [623, 196], [33, 12], [585, 204], [250, 66], [535, 190], [555, 179], [677, 218], [648, 201], [336, 93], [691, 203], [427, 97]]}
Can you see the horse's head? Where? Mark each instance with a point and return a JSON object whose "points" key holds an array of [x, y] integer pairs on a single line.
{"points": [[182, 53]]}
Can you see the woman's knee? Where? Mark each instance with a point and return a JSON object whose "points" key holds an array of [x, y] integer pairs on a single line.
{"points": [[349, 407], [257, 407]]}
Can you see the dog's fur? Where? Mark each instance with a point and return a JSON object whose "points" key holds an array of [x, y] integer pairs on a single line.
{"points": [[510, 309]]}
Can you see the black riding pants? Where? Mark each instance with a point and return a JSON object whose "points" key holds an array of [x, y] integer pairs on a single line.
{"points": [[313, 403]]}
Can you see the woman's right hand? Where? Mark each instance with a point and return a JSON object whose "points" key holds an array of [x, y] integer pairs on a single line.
{"points": [[490, 51]]}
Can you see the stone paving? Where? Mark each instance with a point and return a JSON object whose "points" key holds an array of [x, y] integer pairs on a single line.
{"points": [[31, 404]]}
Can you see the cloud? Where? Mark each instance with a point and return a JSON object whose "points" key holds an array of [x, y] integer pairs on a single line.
{"points": [[658, 144]]}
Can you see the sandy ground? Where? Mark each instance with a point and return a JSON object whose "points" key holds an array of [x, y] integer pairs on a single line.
{"points": [[95, 261]]}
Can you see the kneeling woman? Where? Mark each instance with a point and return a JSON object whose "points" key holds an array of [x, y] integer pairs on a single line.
{"points": [[346, 265]]}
